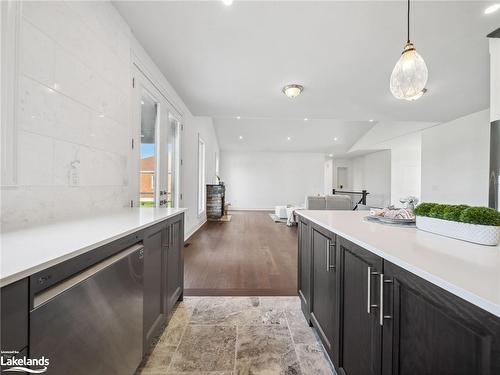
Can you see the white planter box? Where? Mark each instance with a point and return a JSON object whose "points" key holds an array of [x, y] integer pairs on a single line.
{"points": [[481, 234]]}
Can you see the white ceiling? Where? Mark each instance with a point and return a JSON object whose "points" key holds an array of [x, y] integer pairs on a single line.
{"points": [[305, 136], [233, 61]]}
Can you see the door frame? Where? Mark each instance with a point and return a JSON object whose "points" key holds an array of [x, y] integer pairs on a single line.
{"points": [[142, 81]]}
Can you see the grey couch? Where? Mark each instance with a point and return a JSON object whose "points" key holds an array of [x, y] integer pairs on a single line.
{"points": [[329, 202]]}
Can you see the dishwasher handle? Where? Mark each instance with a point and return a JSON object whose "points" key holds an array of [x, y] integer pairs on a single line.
{"points": [[57, 289]]}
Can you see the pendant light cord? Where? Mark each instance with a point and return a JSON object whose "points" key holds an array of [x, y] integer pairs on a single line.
{"points": [[408, 23]]}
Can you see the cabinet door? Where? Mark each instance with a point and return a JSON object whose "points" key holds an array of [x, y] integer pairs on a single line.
{"points": [[304, 267], [427, 330], [361, 340], [324, 316], [14, 316], [153, 281], [175, 261]]}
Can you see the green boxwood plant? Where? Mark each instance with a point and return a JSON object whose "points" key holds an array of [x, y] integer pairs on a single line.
{"points": [[461, 213]]}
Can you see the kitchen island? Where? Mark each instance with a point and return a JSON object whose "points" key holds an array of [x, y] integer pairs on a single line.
{"points": [[396, 300]]}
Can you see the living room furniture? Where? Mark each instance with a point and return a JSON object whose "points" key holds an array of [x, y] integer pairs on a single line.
{"points": [[329, 202], [280, 211]]}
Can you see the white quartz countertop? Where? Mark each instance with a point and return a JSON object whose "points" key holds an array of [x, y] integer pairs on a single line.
{"points": [[27, 251], [467, 270]]}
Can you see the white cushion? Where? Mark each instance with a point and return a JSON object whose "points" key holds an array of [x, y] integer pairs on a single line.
{"points": [[280, 211]]}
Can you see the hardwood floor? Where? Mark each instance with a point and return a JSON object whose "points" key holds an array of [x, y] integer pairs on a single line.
{"points": [[248, 256]]}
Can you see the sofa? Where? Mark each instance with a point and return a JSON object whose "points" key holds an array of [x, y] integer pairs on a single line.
{"points": [[328, 202]]}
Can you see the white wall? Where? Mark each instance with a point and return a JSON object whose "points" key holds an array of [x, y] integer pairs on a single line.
{"points": [[406, 159], [328, 177], [495, 79], [372, 172], [72, 105], [74, 89], [262, 180], [455, 161], [204, 127]]}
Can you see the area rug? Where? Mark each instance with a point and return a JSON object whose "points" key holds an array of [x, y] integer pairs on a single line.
{"points": [[276, 219]]}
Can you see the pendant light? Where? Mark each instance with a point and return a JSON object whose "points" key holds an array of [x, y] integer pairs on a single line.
{"points": [[409, 76]]}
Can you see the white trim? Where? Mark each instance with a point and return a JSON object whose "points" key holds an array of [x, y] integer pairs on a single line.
{"points": [[10, 25], [202, 177], [195, 229]]}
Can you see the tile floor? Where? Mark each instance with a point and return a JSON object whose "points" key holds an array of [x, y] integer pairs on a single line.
{"points": [[237, 336]]}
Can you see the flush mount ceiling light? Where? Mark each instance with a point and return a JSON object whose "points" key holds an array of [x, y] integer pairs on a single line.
{"points": [[292, 91], [288, 138], [409, 76], [492, 9], [330, 155], [238, 117], [241, 137], [227, 2]]}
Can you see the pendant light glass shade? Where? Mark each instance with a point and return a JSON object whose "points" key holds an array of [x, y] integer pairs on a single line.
{"points": [[409, 76]]}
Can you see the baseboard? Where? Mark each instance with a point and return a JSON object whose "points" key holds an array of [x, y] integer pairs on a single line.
{"points": [[250, 209], [201, 292], [195, 229]]}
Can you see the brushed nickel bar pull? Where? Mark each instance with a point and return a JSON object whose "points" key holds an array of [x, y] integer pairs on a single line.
{"points": [[369, 304], [369, 284], [327, 255], [382, 316], [334, 265], [381, 299]]}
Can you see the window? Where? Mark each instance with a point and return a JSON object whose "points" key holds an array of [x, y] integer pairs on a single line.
{"points": [[201, 176]]}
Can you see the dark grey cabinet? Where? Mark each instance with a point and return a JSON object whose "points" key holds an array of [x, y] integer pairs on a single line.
{"points": [[304, 267], [153, 318], [14, 314], [174, 261], [324, 311], [163, 274], [361, 333], [427, 330], [375, 318]]}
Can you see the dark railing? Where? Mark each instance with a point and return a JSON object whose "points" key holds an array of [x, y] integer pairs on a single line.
{"points": [[363, 194]]}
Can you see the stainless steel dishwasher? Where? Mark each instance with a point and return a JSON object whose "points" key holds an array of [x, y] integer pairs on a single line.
{"points": [[91, 323]]}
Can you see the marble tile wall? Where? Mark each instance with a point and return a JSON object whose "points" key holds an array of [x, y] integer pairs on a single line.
{"points": [[72, 117], [237, 335]]}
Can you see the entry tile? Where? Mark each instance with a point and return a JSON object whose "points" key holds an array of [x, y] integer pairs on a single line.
{"points": [[265, 350], [313, 359], [206, 348]]}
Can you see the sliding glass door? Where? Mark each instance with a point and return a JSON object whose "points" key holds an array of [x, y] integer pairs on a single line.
{"points": [[148, 172]]}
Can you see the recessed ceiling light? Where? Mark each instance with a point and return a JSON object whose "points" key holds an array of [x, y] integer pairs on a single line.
{"points": [[371, 120], [227, 2], [293, 90], [238, 117], [288, 138], [335, 138], [241, 137], [330, 155], [306, 119], [492, 9]]}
